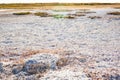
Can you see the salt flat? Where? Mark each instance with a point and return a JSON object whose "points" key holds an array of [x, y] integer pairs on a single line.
{"points": [[96, 40]]}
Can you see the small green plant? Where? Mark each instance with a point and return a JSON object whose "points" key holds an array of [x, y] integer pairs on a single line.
{"points": [[114, 13], [42, 14], [21, 13], [58, 16]]}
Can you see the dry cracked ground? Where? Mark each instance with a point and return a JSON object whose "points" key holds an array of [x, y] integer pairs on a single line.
{"points": [[81, 47]]}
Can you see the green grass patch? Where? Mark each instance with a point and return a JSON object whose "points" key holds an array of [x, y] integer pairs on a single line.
{"points": [[58, 16]]}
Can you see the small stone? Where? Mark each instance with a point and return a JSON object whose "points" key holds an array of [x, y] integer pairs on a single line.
{"points": [[61, 62], [88, 75], [20, 76], [17, 69], [33, 67], [32, 77], [118, 77], [53, 65], [30, 66], [1, 67], [114, 77], [83, 60]]}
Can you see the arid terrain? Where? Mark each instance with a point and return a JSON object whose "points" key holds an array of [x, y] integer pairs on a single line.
{"points": [[60, 43]]}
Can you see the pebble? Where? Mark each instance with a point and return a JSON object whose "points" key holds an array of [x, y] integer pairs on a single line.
{"points": [[1, 67]]}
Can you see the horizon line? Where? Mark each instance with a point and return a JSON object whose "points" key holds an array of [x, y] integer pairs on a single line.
{"points": [[61, 2]]}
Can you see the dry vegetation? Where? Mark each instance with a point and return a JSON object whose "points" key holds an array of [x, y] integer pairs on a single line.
{"points": [[25, 54], [62, 62], [94, 17], [42, 14], [59, 16], [79, 14], [113, 13], [61, 10], [85, 12], [21, 13], [117, 7], [44, 5], [70, 17]]}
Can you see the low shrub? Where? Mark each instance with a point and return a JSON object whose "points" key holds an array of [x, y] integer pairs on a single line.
{"points": [[117, 7], [94, 17], [114, 13], [58, 16], [42, 14], [79, 14], [70, 17], [21, 13]]}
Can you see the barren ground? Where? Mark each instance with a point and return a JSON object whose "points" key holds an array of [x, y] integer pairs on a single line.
{"points": [[91, 46]]}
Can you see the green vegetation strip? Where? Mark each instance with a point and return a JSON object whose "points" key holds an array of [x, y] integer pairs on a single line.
{"points": [[58, 16]]}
